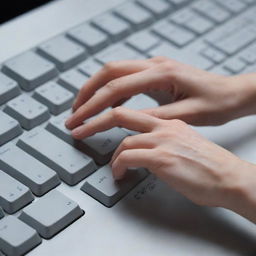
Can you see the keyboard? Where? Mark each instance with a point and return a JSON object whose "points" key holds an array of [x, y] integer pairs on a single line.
{"points": [[37, 88]]}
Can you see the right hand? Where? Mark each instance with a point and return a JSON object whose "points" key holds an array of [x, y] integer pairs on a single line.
{"points": [[200, 97]]}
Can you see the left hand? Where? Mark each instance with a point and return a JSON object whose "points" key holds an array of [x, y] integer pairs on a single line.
{"points": [[199, 169]]}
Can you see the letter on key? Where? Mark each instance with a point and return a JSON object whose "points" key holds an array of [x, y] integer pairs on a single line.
{"points": [[13, 194], [16, 237], [28, 170], [102, 186], [49, 222], [71, 165]]}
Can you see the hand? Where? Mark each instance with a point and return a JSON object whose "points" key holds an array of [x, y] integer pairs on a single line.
{"points": [[202, 171], [200, 97]]}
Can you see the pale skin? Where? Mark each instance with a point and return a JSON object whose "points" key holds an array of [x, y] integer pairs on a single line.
{"points": [[167, 146]]}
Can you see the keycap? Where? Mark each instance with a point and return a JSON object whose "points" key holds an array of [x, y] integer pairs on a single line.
{"points": [[46, 222], [192, 21], [27, 111], [8, 88], [214, 54], [158, 7], [211, 10], [63, 52], [114, 27], [99, 146], [93, 39], [1, 213], [9, 128], [134, 14], [249, 69], [221, 71], [102, 186], [89, 67], [29, 70], [143, 41], [249, 54], [234, 65], [174, 34], [71, 165], [234, 6], [16, 237], [178, 3], [117, 52], [13, 194], [189, 57], [54, 96], [73, 80], [26, 169]]}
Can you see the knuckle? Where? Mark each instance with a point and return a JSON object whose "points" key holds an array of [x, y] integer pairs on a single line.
{"points": [[110, 66], [118, 113], [126, 143], [122, 156], [169, 68], [112, 86], [159, 59]]}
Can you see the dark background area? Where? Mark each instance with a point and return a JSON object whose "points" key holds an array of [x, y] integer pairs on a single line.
{"points": [[11, 8]]}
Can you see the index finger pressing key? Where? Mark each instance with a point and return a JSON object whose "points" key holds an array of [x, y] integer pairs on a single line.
{"points": [[121, 117]]}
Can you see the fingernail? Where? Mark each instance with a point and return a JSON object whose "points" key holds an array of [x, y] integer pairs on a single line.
{"points": [[68, 122]]}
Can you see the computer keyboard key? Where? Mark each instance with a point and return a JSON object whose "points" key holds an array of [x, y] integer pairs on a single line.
{"points": [[16, 237], [9, 128], [249, 54], [134, 14], [178, 3], [234, 65], [114, 27], [214, 55], [54, 96], [235, 6], [13, 194], [211, 10], [63, 52], [90, 37], [8, 88], [30, 70], [1, 213], [174, 34], [28, 170], [99, 146], [73, 80], [27, 111], [116, 53], [102, 186], [192, 21], [158, 7], [143, 41], [49, 222], [221, 71], [71, 165], [89, 67]]}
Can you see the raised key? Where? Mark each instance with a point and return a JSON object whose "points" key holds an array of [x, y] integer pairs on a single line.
{"points": [[13, 194], [63, 52], [178, 3], [102, 186], [89, 67], [16, 237], [48, 223], [117, 52], [100, 146], [30, 70], [27, 111], [28, 170], [114, 27], [71, 165], [234, 65], [158, 7], [134, 14], [214, 54], [54, 96], [9, 128], [73, 80], [8, 88], [234, 6], [143, 41], [249, 54], [1, 213], [93, 39]]}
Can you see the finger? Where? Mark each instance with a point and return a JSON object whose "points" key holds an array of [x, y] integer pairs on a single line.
{"points": [[116, 90], [132, 159], [120, 117], [142, 141], [184, 110], [110, 71]]}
